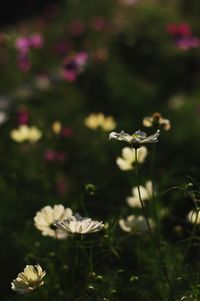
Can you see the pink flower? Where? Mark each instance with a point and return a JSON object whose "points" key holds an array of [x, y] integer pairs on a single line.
{"points": [[22, 44], [36, 40], [22, 116], [54, 156], [74, 65]]}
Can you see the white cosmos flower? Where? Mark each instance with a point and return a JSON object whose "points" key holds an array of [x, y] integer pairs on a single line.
{"points": [[79, 225], [28, 280], [157, 119], [146, 193], [137, 139], [26, 133], [135, 224], [127, 159], [47, 216], [194, 217]]}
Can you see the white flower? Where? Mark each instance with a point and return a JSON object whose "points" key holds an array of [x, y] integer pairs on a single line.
{"points": [[3, 117], [194, 217], [94, 121], [28, 280], [157, 119], [127, 160], [79, 225], [135, 224], [26, 133], [146, 193], [45, 219], [137, 139]]}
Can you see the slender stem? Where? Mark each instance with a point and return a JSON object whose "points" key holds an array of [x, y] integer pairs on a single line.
{"points": [[156, 243], [76, 261], [191, 237], [91, 258], [140, 198]]}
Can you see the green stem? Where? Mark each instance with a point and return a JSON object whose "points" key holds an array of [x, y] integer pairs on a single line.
{"points": [[156, 243], [140, 198]]}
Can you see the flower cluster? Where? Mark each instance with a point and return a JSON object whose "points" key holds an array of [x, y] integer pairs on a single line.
{"points": [[26, 133], [24, 45], [182, 36], [157, 120], [74, 65], [95, 121]]}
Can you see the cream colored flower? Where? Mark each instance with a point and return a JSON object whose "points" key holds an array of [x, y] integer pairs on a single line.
{"points": [[146, 193], [79, 225], [194, 217], [56, 127], [45, 219], [137, 139], [28, 280], [94, 121], [156, 120], [135, 224], [127, 159], [26, 133]]}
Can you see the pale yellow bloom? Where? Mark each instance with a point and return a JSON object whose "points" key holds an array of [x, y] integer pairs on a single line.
{"points": [[56, 127], [157, 120], [47, 216], [79, 225], [146, 193], [194, 217], [28, 280], [26, 133], [95, 121], [135, 224], [127, 159]]}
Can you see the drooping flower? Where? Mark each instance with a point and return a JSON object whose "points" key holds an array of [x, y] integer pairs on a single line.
{"points": [[146, 193], [26, 133], [79, 225], [194, 217], [135, 224], [127, 159], [137, 139], [45, 219], [156, 120], [99, 120], [28, 280]]}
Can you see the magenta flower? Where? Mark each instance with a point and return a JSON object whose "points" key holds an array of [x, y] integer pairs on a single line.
{"points": [[22, 116], [36, 40], [74, 65], [182, 36], [54, 156], [22, 44]]}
